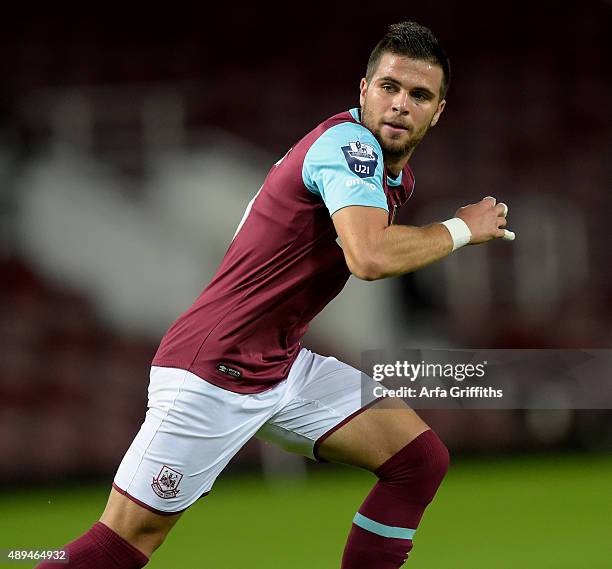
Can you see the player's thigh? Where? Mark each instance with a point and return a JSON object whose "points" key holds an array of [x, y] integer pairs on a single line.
{"points": [[370, 438], [333, 414]]}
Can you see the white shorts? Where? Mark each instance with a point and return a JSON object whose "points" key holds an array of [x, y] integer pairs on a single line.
{"points": [[193, 428]]}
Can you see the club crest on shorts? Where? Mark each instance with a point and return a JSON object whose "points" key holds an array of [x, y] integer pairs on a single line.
{"points": [[165, 485], [361, 158]]}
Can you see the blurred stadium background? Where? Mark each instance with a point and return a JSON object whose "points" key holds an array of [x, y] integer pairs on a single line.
{"points": [[130, 143]]}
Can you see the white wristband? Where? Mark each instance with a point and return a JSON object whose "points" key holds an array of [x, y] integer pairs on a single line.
{"points": [[459, 230]]}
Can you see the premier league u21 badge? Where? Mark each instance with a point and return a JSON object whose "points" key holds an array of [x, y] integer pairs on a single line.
{"points": [[165, 484], [361, 158]]}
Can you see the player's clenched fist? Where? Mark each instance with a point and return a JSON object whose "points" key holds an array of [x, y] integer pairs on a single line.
{"points": [[486, 220]]}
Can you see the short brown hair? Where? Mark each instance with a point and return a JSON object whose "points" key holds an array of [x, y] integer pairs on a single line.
{"points": [[415, 41]]}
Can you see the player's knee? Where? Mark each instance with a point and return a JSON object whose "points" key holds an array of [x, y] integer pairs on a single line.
{"points": [[419, 467], [436, 461], [150, 532], [143, 535], [151, 539], [140, 527]]}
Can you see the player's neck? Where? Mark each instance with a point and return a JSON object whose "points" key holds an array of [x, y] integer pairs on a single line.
{"points": [[395, 166]]}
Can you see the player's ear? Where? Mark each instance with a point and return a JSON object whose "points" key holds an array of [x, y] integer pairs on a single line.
{"points": [[441, 105], [363, 87]]}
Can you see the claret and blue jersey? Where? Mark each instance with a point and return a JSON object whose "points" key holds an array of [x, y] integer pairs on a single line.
{"points": [[284, 264], [344, 166]]}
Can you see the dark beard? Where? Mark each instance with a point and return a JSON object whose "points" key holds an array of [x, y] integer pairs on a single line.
{"points": [[396, 153], [392, 153]]}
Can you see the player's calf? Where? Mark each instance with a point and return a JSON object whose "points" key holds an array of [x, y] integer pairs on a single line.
{"points": [[382, 531]]}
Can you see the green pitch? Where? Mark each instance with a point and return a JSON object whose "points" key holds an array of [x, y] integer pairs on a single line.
{"points": [[544, 513]]}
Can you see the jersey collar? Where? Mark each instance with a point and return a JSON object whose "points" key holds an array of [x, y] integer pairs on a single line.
{"points": [[355, 114]]}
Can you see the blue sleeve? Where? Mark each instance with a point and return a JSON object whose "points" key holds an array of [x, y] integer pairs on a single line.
{"points": [[344, 166]]}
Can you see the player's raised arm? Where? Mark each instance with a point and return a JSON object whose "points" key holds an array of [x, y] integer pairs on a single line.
{"points": [[375, 250]]}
